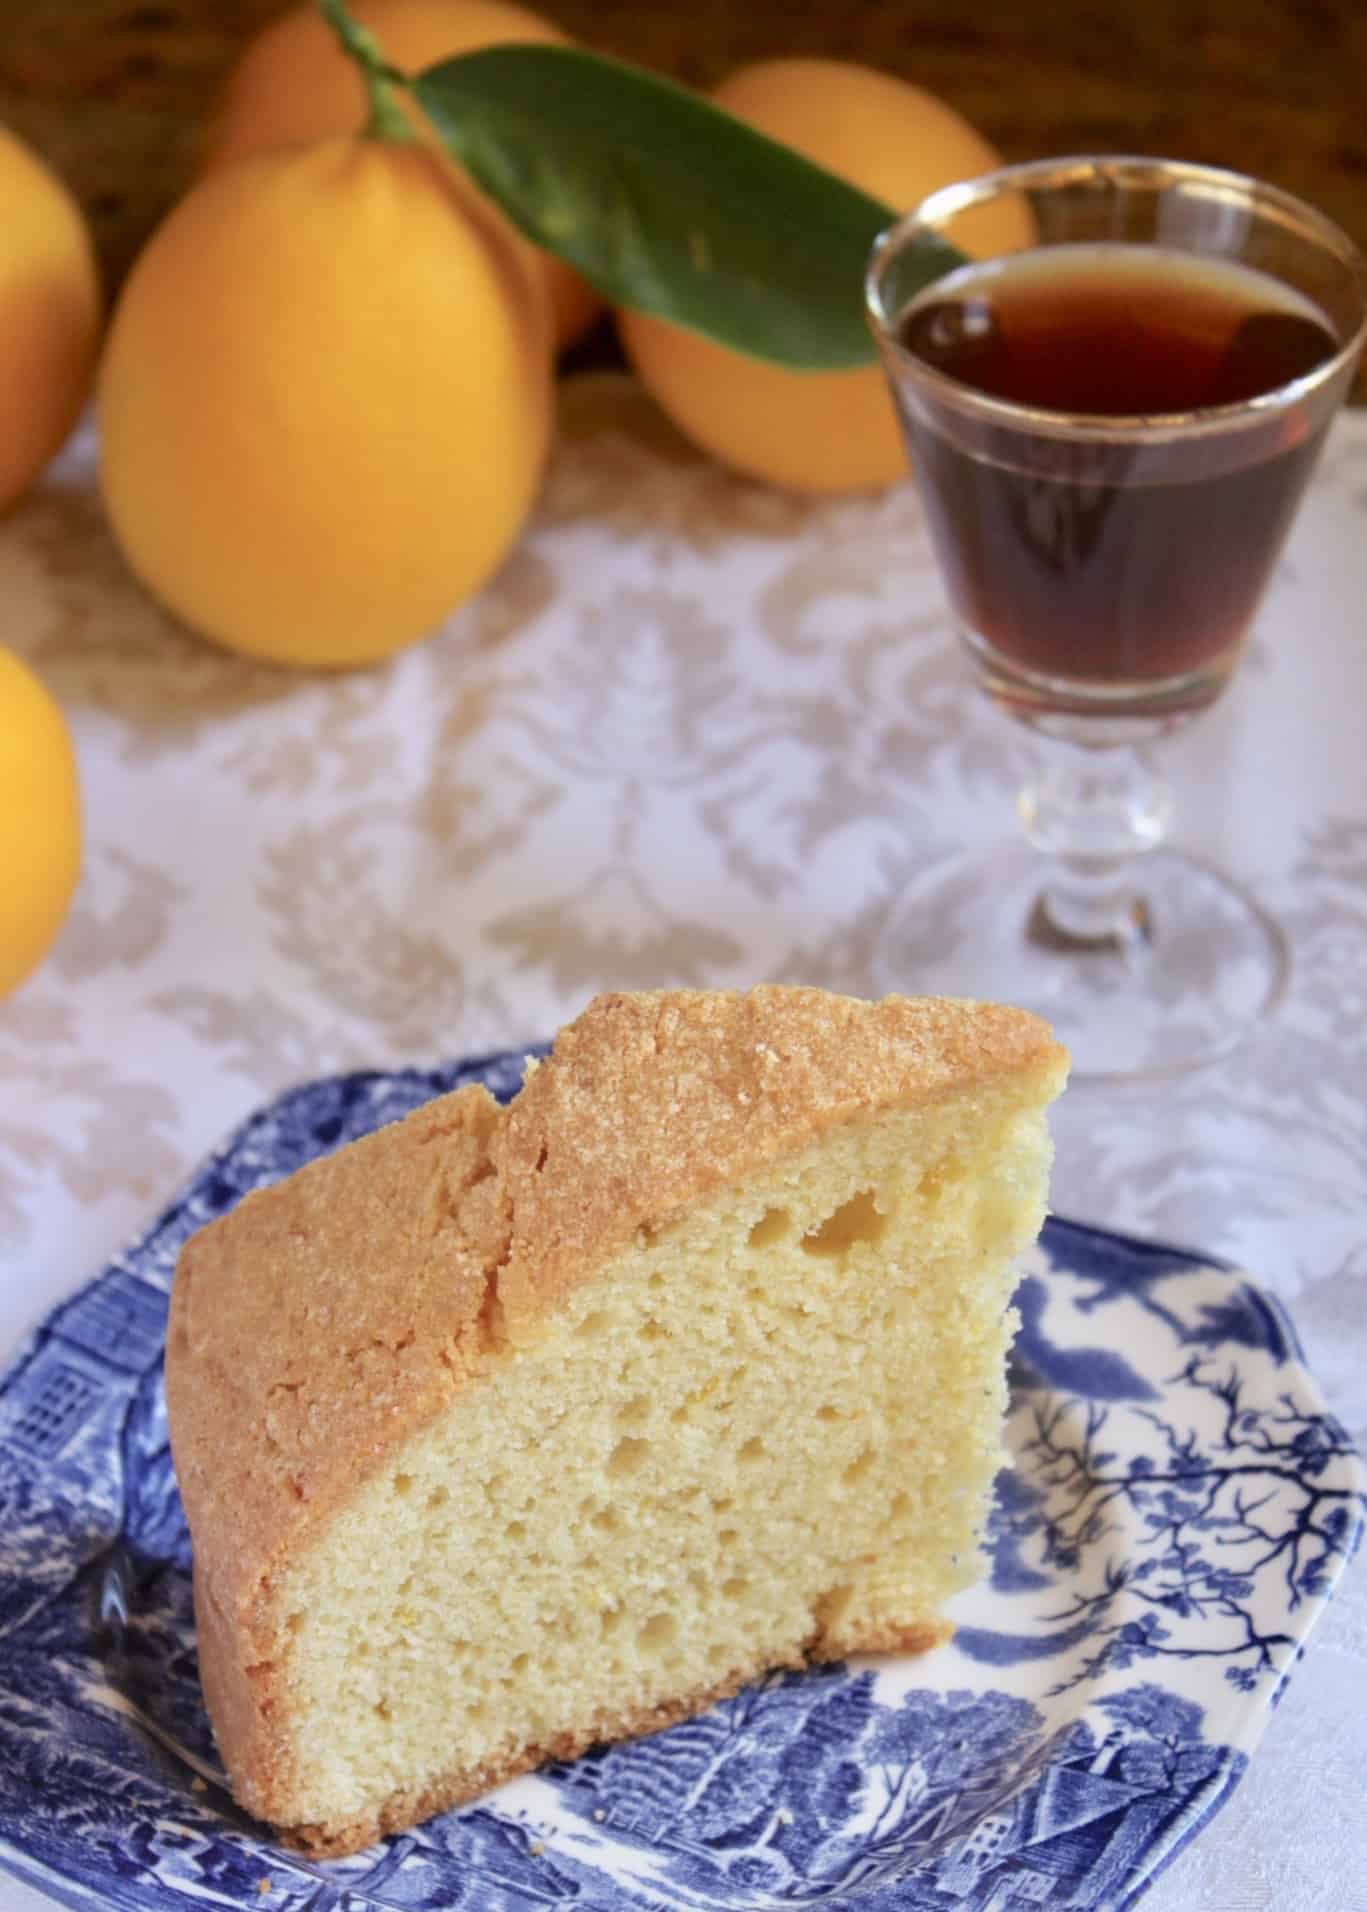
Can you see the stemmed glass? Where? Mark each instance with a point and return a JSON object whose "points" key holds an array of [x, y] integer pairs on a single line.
{"points": [[1110, 445]]}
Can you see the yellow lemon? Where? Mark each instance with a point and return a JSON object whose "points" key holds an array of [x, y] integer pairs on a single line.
{"points": [[294, 84], [49, 315], [815, 431], [40, 821], [325, 402]]}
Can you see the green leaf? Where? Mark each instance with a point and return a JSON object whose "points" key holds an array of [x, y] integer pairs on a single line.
{"points": [[665, 203]]}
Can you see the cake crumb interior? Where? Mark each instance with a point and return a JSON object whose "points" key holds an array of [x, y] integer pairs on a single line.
{"points": [[765, 1430]]}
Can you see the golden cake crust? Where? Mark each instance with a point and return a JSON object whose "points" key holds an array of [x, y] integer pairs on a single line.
{"points": [[326, 1320], [651, 1101]]}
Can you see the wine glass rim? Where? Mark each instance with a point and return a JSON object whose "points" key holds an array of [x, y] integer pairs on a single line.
{"points": [[961, 195]]}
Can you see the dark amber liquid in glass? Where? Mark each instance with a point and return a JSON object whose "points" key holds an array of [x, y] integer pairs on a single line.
{"points": [[1118, 564]]}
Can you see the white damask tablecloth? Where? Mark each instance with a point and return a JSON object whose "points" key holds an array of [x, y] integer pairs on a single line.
{"points": [[695, 732]]}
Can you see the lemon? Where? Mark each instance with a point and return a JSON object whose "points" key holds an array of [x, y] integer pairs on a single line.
{"points": [[49, 315], [40, 821], [293, 83], [325, 402]]}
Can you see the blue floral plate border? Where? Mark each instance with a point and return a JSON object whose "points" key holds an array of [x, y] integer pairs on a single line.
{"points": [[1179, 1506]]}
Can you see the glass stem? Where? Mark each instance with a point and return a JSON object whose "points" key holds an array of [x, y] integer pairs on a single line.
{"points": [[1094, 812]]}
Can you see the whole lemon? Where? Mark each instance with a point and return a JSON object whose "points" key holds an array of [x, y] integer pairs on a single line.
{"points": [[325, 402], [294, 84], [40, 821], [49, 315], [815, 431]]}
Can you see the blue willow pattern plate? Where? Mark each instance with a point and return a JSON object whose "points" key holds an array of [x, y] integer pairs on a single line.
{"points": [[1179, 1507]]}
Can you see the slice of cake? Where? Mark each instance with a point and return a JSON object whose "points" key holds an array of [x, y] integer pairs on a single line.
{"points": [[503, 1431]]}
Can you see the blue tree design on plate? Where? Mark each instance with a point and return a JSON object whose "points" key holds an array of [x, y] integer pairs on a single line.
{"points": [[1182, 1508], [1197, 1504]]}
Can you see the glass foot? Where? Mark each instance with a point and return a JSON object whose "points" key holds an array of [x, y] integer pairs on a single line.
{"points": [[1198, 965]]}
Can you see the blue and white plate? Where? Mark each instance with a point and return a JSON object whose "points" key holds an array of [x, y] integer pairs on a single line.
{"points": [[1178, 1509]]}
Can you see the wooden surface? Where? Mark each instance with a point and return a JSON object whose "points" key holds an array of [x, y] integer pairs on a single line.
{"points": [[114, 91]]}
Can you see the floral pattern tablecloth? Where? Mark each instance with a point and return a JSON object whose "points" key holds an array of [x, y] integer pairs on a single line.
{"points": [[696, 732]]}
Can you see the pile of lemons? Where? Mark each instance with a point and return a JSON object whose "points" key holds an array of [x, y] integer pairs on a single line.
{"points": [[49, 334], [326, 394]]}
